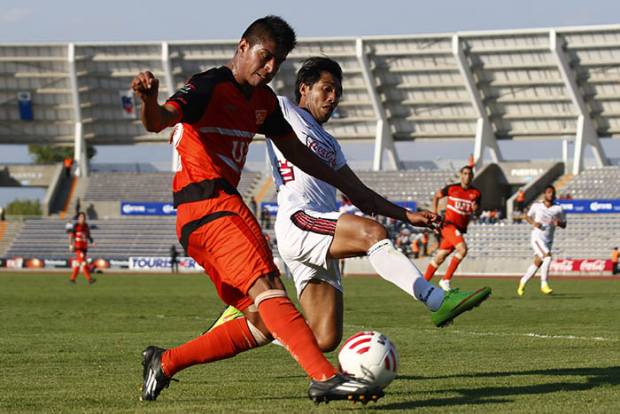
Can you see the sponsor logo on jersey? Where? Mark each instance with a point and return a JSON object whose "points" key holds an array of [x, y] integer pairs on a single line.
{"points": [[324, 152]]}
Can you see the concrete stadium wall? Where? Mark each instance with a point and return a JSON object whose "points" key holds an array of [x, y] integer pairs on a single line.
{"points": [[27, 175]]}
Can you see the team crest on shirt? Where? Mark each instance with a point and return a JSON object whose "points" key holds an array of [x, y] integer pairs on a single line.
{"points": [[261, 115]]}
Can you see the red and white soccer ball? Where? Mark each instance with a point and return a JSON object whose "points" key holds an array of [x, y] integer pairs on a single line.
{"points": [[370, 356]]}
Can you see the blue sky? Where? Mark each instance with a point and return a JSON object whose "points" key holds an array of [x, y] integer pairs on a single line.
{"points": [[71, 20]]}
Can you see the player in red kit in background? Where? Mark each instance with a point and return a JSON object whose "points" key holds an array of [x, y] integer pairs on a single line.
{"points": [[463, 201], [79, 237]]}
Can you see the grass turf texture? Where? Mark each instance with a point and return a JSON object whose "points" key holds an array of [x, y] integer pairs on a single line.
{"points": [[68, 348]]}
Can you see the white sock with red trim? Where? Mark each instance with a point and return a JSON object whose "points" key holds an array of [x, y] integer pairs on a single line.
{"points": [[395, 267]]}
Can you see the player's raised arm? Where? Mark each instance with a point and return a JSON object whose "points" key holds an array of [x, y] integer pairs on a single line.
{"points": [[154, 117]]}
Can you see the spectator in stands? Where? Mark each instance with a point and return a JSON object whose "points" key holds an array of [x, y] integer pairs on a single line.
{"points": [[424, 243], [67, 164], [78, 209], [520, 201], [265, 218], [614, 261], [2, 218], [174, 261], [415, 246], [253, 206]]}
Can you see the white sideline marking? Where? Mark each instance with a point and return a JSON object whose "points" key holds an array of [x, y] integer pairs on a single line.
{"points": [[539, 336], [525, 335]]}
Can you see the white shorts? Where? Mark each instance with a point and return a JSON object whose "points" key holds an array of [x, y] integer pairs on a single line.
{"points": [[541, 246], [304, 238]]}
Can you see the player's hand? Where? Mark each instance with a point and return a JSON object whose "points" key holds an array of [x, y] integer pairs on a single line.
{"points": [[146, 86], [71, 248], [425, 218], [538, 225]]}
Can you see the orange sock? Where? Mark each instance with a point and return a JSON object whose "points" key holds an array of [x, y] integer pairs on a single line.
{"points": [[430, 271], [288, 326], [74, 273], [87, 273], [454, 263], [225, 341]]}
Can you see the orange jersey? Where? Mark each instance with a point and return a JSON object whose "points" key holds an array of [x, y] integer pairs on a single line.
{"points": [[216, 125], [614, 256], [460, 206], [80, 236]]}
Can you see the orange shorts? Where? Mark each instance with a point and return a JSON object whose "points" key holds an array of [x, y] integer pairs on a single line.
{"points": [[231, 248], [450, 237]]}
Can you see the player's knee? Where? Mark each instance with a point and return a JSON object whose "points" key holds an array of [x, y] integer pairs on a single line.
{"points": [[328, 341], [461, 253], [374, 232]]}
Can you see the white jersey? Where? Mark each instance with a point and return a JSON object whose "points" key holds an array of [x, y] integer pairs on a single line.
{"points": [[296, 189], [544, 215]]}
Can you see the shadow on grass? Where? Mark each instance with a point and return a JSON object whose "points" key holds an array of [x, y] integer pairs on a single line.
{"points": [[593, 378]]}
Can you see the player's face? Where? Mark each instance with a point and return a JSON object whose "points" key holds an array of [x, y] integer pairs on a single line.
{"points": [[467, 176], [550, 195], [258, 63], [81, 219], [322, 98]]}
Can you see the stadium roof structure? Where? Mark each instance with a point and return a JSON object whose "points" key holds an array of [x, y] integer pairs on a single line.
{"points": [[512, 84]]}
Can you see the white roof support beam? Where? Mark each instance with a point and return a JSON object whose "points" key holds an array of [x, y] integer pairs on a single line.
{"points": [[586, 133], [383, 137], [485, 137], [167, 69], [79, 143]]}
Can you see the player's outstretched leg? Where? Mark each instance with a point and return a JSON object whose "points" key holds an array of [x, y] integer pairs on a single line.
{"points": [[456, 302]]}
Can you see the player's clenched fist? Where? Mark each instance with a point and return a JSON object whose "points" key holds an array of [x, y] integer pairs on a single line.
{"points": [[424, 218], [146, 85]]}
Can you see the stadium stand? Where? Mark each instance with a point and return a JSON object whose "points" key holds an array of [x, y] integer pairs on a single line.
{"points": [[513, 83], [157, 186], [586, 236], [595, 183], [115, 238]]}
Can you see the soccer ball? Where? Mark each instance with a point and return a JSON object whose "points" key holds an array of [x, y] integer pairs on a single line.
{"points": [[370, 356]]}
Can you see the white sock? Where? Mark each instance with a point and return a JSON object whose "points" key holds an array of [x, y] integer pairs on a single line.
{"points": [[544, 270], [395, 267], [531, 271]]}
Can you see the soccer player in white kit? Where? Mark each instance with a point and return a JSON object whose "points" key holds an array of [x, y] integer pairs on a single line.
{"points": [[544, 216], [313, 234]]}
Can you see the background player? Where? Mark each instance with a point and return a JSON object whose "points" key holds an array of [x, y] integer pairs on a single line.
{"points": [[79, 237], [313, 234], [217, 113], [463, 201], [544, 216]]}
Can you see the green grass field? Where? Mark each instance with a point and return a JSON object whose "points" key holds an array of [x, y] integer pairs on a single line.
{"points": [[67, 348]]}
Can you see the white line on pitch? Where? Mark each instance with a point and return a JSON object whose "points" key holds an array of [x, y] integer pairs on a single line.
{"points": [[540, 336]]}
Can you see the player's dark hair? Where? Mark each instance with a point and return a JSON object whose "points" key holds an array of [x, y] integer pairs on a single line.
{"points": [[550, 187], [311, 69], [467, 167], [81, 213], [271, 28]]}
